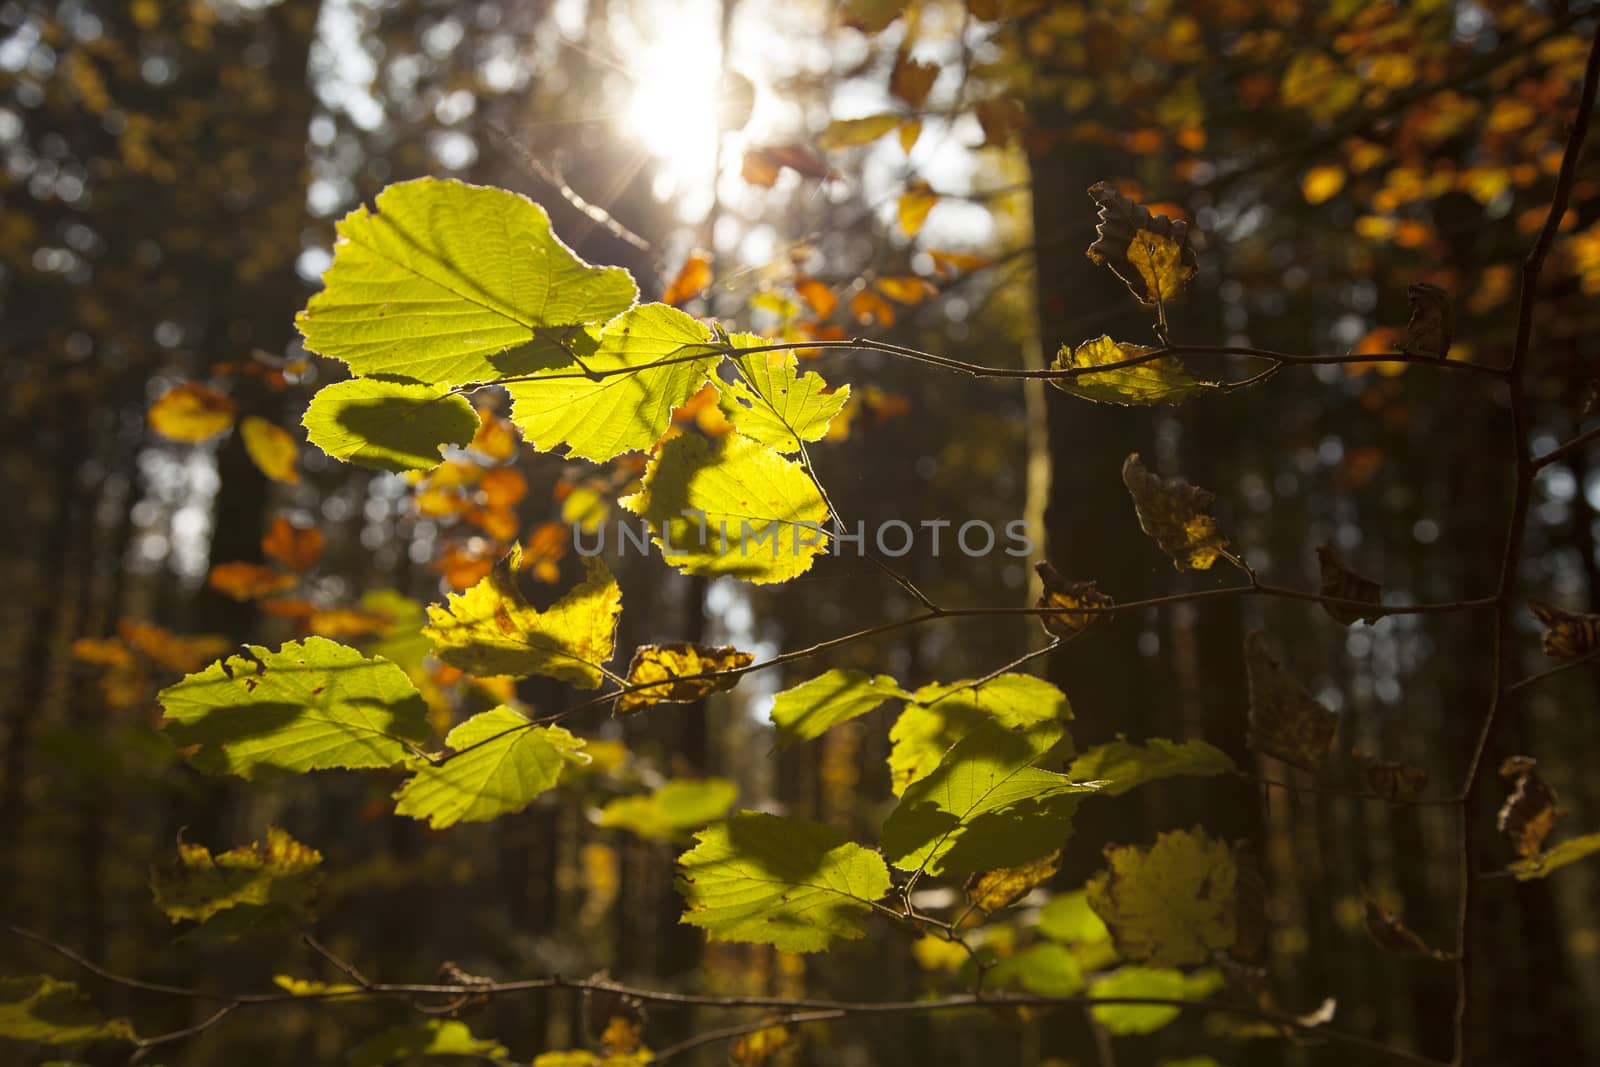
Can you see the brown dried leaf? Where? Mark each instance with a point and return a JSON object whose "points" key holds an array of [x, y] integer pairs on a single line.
{"points": [[1058, 592], [1567, 636], [1430, 329], [1530, 812], [669, 672], [1165, 259], [1174, 513], [1399, 782], [991, 891], [1392, 935], [911, 80], [1343, 583], [1286, 722]]}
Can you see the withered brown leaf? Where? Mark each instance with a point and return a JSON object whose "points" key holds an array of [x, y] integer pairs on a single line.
{"points": [[1285, 721], [1060, 593]]}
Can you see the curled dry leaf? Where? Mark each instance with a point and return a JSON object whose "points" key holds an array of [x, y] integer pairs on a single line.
{"points": [[1150, 253], [1392, 780], [1175, 513], [671, 673], [1429, 331], [1286, 722], [1342, 583], [1530, 811], [1392, 935], [473, 997], [1060, 593], [1567, 636], [991, 891]]}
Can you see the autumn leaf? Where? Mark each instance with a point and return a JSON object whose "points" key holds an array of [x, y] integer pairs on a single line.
{"points": [[911, 80], [1399, 782], [1322, 183], [271, 883], [992, 891], [667, 673], [1286, 722], [939, 715], [1150, 253], [1567, 636], [754, 1049], [762, 165], [691, 279], [298, 548], [1171, 904], [1571, 850], [1000, 117], [818, 297], [850, 133], [1392, 935], [492, 629], [1342, 583], [191, 412], [771, 402], [1531, 811], [41, 1010], [1429, 331], [1175, 514], [1156, 983], [1163, 380], [679, 805], [906, 288], [913, 206], [502, 762], [910, 132], [271, 448], [249, 581], [391, 425], [431, 1037], [1057, 592], [812, 708], [868, 308], [1120, 766]]}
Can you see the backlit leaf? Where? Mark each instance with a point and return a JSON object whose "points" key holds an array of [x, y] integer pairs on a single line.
{"points": [[1157, 381], [682, 804], [445, 279], [913, 206], [191, 412], [431, 1037], [1044, 968], [1155, 982], [1322, 183], [813, 707], [249, 581], [1531, 811], [311, 705], [790, 883], [1567, 636], [1150, 253], [734, 508], [906, 288], [1176, 515], [848, 133], [774, 404], [1068, 918], [691, 279], [990, 891], [1057, 592], [1122, 765], [271, 449], [669, 356], [940, 715], [1342, 583], [501, 763], [47, 1011], [668, 673], [752, 1050], [491, 629], [390, 425], [987, 804], [275, 882], [1286, 722], [1170, 904], [298, 548], [1571, 850]]}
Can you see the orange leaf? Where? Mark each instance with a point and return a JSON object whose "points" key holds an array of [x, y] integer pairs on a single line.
{"points": [[950, 264], [190, 412], [495, 437], [868, 307], [272, 449], [503, 487], [463, 569], [761, 165], [818, 297], [693, 277], [248, 581], [295, 548], [499, 523]]}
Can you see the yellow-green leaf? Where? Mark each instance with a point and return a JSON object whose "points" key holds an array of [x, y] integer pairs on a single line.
{"points": [[940, 715], [431, 1037], [1571, 850], [771, 403], [502, 761], [847, 133], [1123, 765], [491, 629], [275, 882], [390, 425], [1170, 904], [1155, 982], [1044, 968], [1164, 380], [813, 707], [682, 804], [47, 1011]]}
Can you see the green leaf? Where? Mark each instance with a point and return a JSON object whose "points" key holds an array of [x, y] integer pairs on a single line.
{"points": [[682, 804], [1571, 850], [1170, 904], [941, 715], [773, 404], [46, 1011], [598, 419], [1158, 381], [1157, 983], [736, 509], [309, 706], [434, 1037], [271, 884], [814, 707], [445, 278], [1045, 968], [987, 804], [1123, 766], [491, 629], [1069, 919], [790, 883], [387, 424], [502, 761]]}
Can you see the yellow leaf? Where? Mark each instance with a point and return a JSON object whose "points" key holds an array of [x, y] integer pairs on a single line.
{"points": [[1057, 592], [752, 1050], [846, 133], [1155, 381], [271, 449], [1171, 904], [585, 509], [1322, 183], [1149, 252], [910, 132], [1161, 264], [190, 412], [992, 891], [491, 629], [906, 288], [279, 876], [669, 671], [914, 205], [1174, 513]]}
